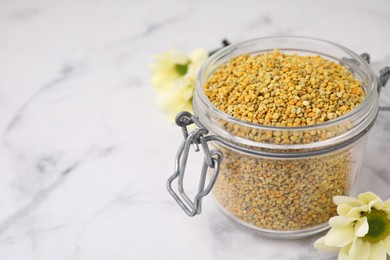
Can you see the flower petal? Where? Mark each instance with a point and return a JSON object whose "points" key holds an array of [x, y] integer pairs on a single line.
{"points": [[343, 209], [198, 56], [356, 212], [339, 221], [361, 227], [387, 203], [386, 207], [320, 245], [378, 204], [360, 249], [366, 197], [386, 244], [340, 236], [378, 251], [163, 69], [344, 253], [348, 200]]}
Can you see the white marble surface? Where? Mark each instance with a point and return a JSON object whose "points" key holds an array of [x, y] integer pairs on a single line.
{"points": [[84, 151]]}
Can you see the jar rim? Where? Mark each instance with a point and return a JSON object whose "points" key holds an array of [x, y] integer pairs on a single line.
{"points": [[226, 50]]}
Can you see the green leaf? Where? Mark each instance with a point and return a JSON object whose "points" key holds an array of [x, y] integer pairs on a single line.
{"points": [[181, 69]]}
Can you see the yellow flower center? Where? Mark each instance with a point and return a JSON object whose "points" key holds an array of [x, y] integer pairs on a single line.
{"points": [[378, 225], [181, 69]]}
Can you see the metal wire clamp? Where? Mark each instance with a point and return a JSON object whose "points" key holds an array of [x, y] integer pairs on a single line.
{"points": [[383, 78], [212, 159]]}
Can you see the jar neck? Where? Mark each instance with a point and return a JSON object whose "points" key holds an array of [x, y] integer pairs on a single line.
{"points": [[339, 131]]}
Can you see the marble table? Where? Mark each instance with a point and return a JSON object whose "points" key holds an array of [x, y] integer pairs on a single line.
{"points": [[85, 152]]}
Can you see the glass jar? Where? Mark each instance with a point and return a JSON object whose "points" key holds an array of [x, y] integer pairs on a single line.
{"points": [[281, 189]]}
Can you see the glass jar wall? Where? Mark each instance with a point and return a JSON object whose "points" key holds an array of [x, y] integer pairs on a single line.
{"points": [[281, 188]]}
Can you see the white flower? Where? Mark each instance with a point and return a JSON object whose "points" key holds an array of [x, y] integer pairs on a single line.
{"points": [[174, 75], [166, 68], [362, 229]]}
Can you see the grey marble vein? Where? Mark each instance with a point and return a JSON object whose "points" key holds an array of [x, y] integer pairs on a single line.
{"points": [[153, 27], [375, 12], [64, 74], [24, 14], [41, 196], [260, 21], [384, 175], [119, 198]]}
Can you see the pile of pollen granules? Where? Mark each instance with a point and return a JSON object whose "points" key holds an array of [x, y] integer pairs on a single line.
{"points": [[285, 90]]}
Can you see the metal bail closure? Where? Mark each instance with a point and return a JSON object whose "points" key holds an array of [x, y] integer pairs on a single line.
{"points": [[212, 159], [384, 75]]}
